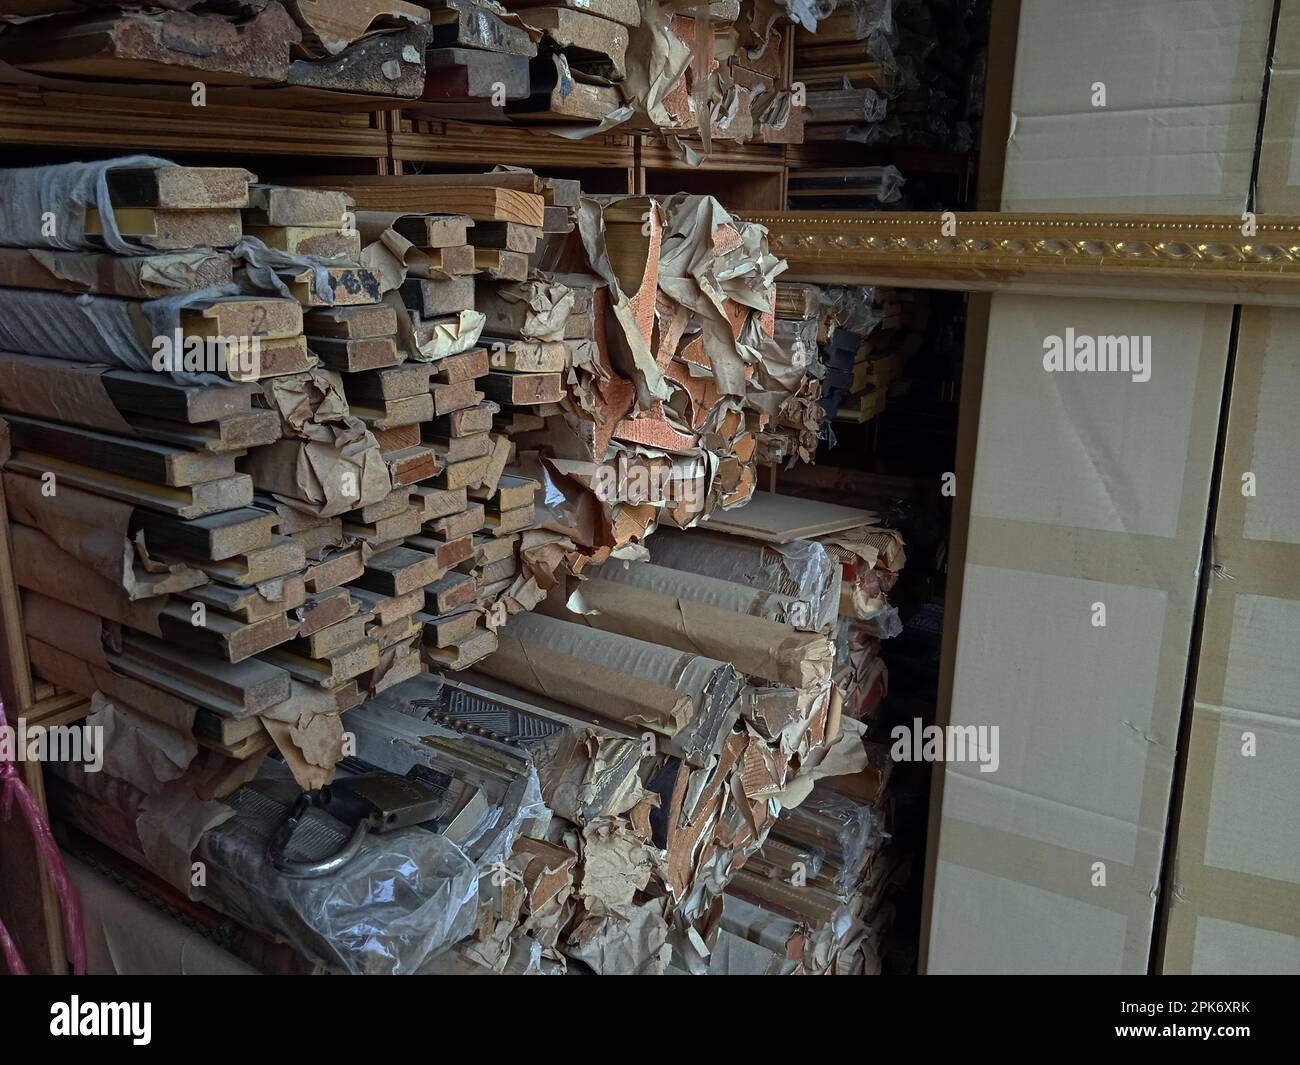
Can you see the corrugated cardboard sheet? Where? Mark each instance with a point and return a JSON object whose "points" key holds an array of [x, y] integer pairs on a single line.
{"points": [[1089, 488], [1279, 162], [1177, 132], [1234, 904]]}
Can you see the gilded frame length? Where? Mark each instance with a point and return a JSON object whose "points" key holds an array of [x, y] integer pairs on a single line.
{"points": [[1199, 258]]}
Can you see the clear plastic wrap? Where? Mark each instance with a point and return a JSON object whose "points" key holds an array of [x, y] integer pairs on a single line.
{"points": [[800, 569], [395, 732], [405, 896], [851, 308], [835, 834], [45, 206]]}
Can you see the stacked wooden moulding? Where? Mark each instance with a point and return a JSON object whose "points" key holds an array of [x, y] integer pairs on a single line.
{"points": [[424, 465], [635, 354], [793, 434], [816, 897], [251, 551], [893, 72], [866, 339], [577, 66], [716, 701]]}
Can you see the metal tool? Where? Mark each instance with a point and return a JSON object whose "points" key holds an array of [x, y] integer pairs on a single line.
{"points": [[376, 802]]}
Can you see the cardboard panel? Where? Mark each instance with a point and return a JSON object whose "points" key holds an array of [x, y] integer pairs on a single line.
{"points": [[1090, 487], [1091, 800], [1279, 162], [1225, 947], [1066, 445], [1273, 456], [1177, 133], [1234, 902], [1056, 936]]}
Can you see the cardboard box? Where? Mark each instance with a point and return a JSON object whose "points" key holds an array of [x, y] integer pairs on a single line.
{"points": [[1089, 488], [1279, 159], [1183, 82], [1234, 899]]}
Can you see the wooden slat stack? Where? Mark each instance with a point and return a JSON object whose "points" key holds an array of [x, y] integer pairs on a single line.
{"points": [[857, 188], [867, 337], [311, 53], [817, 891], [882, 74], [296, 537], [819, 895], [569, 390], [571, 66], [335, 54], [649, 668]]}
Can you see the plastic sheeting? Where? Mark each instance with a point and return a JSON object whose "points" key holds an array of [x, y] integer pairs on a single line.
{"points": [[801, 569], [858, 827], [392, 732], [45, 206], [405, 896]]}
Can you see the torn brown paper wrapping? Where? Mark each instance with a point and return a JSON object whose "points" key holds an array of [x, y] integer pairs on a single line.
{"points": [[79, 398], [331, 481], [537, 309], [73, 630], [96, 531], [755, 646], [614, 676], [137, 748], [44, 567], [585, 774]]}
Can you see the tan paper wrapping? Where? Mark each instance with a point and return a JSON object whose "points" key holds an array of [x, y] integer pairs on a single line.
{"points": [[61, 391], [60, 625], [139, 749], [754, 645], [96, 531], [614, 676], [44, 567]]}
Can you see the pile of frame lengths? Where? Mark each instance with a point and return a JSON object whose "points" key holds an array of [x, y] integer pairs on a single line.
{"points": [[249, 487], [275, 454], [572, 67]]}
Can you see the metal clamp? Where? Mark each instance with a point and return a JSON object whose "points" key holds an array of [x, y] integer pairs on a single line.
{"points": [[318, 867]]}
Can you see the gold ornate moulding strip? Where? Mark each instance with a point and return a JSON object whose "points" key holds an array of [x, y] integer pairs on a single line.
{"points": [[1203, 258]]}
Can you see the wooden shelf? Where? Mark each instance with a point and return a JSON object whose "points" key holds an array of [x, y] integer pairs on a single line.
{"points": [[751, 176], [653, 153], [444, 141], [39, 117], [814, 154]]}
